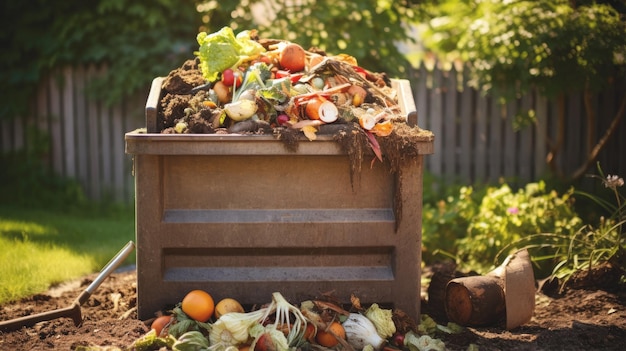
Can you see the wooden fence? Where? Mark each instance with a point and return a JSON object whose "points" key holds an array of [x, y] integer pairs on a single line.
{"points": [[474, 140], [86, 137]]}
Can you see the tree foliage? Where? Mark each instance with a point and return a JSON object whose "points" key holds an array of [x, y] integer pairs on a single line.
{"points": [[137, 40], [141, 39], [368, 30], [556, 47], [549, 45]]}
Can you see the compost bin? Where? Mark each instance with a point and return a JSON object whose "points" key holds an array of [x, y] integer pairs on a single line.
{"points": [[243, 216]]}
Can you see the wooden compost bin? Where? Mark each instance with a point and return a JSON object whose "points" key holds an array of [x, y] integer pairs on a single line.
{"points": [[243, 217]]}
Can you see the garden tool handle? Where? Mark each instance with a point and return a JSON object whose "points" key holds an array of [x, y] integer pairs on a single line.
{"points": [[106, 271]]}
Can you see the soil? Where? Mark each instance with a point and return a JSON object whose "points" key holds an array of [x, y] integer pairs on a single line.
{"points": [[582, 318]]}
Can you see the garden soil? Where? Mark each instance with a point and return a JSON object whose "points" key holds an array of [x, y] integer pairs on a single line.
{"points": [[581, 318]]}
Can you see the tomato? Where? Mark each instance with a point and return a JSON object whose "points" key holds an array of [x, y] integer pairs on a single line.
{"points": [[160, 323], [329, 337], [198, 305], [293, 77], [229, 77]]}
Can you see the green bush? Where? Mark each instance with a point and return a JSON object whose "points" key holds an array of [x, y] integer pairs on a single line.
{"points": [[506, 216], [477, 226]]}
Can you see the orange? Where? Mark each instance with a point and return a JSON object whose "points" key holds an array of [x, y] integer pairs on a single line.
{"points": [[198, 305], [160, 323], [328, 337], [227, 305]]}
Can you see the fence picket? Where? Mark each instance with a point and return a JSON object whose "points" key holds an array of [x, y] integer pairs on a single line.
{"points": [[541, 128], [436, 124], [55, 129], [496, 148], [93, 135], [510, 140], [450, 127], [466, 133]]}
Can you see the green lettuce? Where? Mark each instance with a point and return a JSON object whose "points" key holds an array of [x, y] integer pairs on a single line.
{"points": [[222, 49]]}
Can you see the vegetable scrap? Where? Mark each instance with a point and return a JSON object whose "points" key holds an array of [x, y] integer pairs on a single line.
{"points": [[280, 326], [244, 84]]}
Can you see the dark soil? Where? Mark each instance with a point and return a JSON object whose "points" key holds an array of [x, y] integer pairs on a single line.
{"points": [[580, 319]]}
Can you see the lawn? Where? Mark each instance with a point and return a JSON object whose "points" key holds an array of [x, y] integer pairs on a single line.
{"points": [[43, 247]]}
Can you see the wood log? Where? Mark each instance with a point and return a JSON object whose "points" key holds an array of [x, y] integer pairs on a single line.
{"points": [[506, 295], [476, 301]]}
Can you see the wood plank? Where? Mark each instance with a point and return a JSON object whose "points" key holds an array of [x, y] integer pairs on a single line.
{"points": [[449, 148], [481, 162], [40, 112], [68, 121], [436, 125], [466, 152], [93, 145], [541, 132], [56, 133], [81, 130], [421, 105], [575, 149], [105, 150], [526, 152], [510, 141], [497, 121], [117, 154]]}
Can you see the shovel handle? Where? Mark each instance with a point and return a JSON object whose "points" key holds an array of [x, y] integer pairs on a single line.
{"points": [[106, 271]]}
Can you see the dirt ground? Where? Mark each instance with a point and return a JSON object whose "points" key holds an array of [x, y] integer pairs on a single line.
{"points": [[580, 319]]}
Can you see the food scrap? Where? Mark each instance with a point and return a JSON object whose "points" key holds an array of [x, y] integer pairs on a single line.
{"points": [[246, 85]]}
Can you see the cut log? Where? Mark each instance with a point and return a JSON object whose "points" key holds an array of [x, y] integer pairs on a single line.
{"points": [[506, 295], [476, 301]]}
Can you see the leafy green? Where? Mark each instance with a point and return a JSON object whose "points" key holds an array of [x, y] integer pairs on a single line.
{"points": [[222, 49], [150, 341], [382, 319], [414, 342], [191, 341], [254, 79]]}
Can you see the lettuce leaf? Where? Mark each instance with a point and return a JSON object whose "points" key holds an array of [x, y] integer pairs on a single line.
{"points": [[222, 49]]}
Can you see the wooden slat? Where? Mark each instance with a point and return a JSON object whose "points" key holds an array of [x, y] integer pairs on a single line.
{"points": [[526, 152], [56, 127], [436, 124], [510, 141], [575, 142], [104, 150], [466, 134], [541, 132], [449, 152], [93, 145], [481, 139], [69, 123], [82, 130], [421, 104], [116, 152], [496, 147]]}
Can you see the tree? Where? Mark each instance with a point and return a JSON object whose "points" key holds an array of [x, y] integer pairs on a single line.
{"points": [[367, 29], [138, 40], [556, 47]]}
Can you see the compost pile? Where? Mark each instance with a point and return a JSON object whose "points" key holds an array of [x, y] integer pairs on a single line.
{"points": [[242, 84], [585, 317]]}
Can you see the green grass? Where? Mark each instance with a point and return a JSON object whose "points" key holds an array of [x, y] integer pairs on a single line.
{"points": [[44, 247]]}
